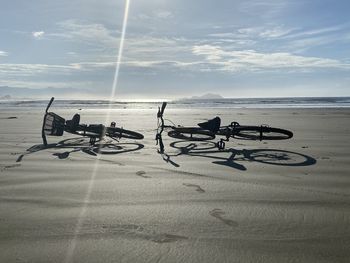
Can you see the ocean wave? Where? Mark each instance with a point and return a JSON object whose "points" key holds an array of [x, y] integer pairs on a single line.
{"points": [[310, 102]]}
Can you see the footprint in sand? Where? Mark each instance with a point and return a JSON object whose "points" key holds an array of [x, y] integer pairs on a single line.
{"points": [[218, 213], [5, 167], [137, 231], [112, 162], [19, 159], [198, 188], [166, 238], [9, 118], [142, 174]]}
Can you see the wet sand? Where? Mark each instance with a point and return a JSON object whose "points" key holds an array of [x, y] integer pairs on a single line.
{"points": [[269, 201]]}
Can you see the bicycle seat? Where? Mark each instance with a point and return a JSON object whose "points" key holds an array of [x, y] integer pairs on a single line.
{"points": [[73, 124], [212, 125]]}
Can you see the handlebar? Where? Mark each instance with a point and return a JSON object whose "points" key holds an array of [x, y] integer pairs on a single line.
{"points": [[42, 129], [48, 105], [160, 128], [161, 110], [163, 107]]}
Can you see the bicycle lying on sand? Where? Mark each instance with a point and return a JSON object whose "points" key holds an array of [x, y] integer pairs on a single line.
{"points": [[55, 125], [210, 129]]}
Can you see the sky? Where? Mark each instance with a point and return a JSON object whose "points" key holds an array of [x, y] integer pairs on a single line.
{"points": [[178, 48]]}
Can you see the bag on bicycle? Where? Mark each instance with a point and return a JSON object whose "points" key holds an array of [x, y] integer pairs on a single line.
{"points": [[53, 124]]}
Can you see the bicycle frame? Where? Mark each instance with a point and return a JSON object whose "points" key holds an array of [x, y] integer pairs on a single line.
{"points": [[162, 127], [212, 128], [55, 125], [177, 130]]}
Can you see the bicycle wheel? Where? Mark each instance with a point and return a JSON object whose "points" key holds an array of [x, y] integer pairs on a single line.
{"points": [[191, 134], [115, 132], [261, 133], [92, 130]]}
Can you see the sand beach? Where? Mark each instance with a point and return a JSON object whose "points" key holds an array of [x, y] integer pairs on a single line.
{"points": [[269, 201]]}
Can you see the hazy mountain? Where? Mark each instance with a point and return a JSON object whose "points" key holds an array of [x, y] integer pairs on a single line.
{"points": [[6, 97]]}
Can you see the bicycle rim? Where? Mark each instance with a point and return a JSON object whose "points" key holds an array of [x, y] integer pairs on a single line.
{"points": [[191, 134], [262, 133], [116, 133]]}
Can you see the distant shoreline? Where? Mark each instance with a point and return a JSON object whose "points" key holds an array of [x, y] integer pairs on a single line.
{"points": [[292, 102]]}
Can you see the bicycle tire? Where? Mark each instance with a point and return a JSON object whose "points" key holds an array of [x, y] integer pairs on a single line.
{"points": [[261, 133], [89, 134], [116, 133], [92, 130], [191, 134]]}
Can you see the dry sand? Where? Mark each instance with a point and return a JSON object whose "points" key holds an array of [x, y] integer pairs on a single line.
{"points": [[282, 201]]}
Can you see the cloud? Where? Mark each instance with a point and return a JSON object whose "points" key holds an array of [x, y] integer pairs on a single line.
{"points": [[251, 60], [3, 53], [266, 9], [270, 38], [270, 31], [155, 15], [250, 37], [88, 33], [9, 69], [163, 14], [38, 84], [275, 32], [206, 58], [38, 34], [210, 52], [159, 64], [301, 41], [318, 31]]}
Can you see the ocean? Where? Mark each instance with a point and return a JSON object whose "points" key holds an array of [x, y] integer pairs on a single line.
{"points": [[297, 102]]}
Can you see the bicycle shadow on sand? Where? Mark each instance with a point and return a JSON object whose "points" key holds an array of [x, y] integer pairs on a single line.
{"points": [[74, 145], [232, 157]]}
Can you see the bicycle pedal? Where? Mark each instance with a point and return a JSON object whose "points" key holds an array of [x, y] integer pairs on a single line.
{"points": [[221, 144]]}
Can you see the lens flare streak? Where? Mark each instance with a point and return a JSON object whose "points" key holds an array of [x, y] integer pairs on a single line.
{"points": [[82, 214]]}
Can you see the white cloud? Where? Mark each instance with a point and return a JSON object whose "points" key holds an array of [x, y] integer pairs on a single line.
{"points": [[163, 14], [3, 54], [155, 15], [8, 69], [38, 34], [275, 32], [251, 60], [89, 33], [251, 36], [37, 84], [318, 31], [211, 52], [267, 9], [160, 64], [215, 59], [227, 34]]}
